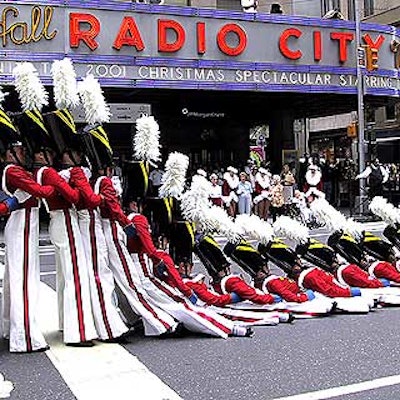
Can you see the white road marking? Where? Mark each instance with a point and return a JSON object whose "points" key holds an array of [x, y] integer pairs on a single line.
{"points": [[348, 389], [104, 371], [6, 387]]}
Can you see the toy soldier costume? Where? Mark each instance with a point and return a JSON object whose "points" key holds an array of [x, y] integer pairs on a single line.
{"points": [[22, 269], [108, 322], [166, 288], [156, 321]]}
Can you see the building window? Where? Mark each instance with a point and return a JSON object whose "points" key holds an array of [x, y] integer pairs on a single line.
{"points": [[369, 8], [390, 112], [350, 10], [329, 5], [229, 4]]}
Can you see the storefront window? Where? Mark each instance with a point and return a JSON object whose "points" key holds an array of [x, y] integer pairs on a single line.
{"points": [[390, 112], [229, 4]]}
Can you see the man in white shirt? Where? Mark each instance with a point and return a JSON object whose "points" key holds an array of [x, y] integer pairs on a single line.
{"points": [[377, 174], [155, 178]]}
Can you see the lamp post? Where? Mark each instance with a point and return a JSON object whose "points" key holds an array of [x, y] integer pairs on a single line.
{"points": [[360, 104]]}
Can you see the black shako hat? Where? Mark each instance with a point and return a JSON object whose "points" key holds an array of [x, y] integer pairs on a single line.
{"points": [[61, 127], [34, 131], [377, 247], [246, 256], [392, 233], [346, 246], [280, 254], [211, 255], [317, 253], [9, 134]]}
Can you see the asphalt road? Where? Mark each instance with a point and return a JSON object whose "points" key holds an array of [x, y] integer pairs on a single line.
{"points": [[286, 360]]}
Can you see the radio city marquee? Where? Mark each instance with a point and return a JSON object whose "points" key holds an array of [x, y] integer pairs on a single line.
{"points": [[129, 45]]}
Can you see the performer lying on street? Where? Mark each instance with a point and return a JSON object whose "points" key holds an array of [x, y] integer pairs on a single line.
{"points": [[369, 260], [223, 281], [314, 278], [296, 300], [167, 290]]}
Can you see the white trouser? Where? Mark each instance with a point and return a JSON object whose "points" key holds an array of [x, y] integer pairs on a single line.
{"points": [[194, 318], [22, 281], [108, 322], [155, 320], [75, 309]]}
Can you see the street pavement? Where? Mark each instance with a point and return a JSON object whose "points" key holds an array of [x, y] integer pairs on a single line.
{"points": [[350, 357]]}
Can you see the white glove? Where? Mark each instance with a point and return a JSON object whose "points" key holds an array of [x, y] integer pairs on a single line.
{"points": [[22, 196], [65, 174]]}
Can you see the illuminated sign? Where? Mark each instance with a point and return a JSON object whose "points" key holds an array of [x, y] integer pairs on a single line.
{"points": [[134, 45]]}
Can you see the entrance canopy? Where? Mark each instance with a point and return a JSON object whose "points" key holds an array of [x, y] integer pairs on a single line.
{"points": [[132, 45]]}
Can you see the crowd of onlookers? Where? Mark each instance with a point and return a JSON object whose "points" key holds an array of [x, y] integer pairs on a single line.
{"points": [[253, 189]]}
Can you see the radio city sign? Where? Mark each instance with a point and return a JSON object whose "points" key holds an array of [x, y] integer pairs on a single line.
{"points": [[129, 44]]}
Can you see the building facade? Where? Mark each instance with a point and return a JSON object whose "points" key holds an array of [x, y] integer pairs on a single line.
{"points": [[209, 75]]}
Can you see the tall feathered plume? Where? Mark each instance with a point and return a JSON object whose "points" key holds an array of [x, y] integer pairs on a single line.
{"points": [[254, 227], [354, 228], [196, 207], [291, 229], [3, 96], [217, 218], [65, 86], [325, 213], [173, 180], [385, 210], [92, 97], [334, 219], [31, 92], [195, 201], [146, 142]]}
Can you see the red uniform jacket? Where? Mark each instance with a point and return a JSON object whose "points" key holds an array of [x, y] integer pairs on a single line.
{"points": [[383, 269], [353, 275], [233, 283], [64, 196], [316, 279], [287, 288], [143, 243], [18, 178], [206, 295], [258, 189], [110, 208], [88, 199]]}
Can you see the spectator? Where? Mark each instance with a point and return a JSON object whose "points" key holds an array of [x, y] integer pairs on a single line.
{"points": [[300, 201], [277, 199], [329, 173], [313, 182], [377, 175], [249, 166], [216, 191], [261, 189], [155, 179], [244, 191], [231, 182], [288, 182], [252, 176]]}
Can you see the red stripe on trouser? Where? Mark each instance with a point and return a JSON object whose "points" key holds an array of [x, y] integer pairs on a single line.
{"points": [[212, 320], [95, 263], [180, 300], [158, 284], [129, 277], [241, 319], [77, 283], [142, 262], [26, 279]]}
